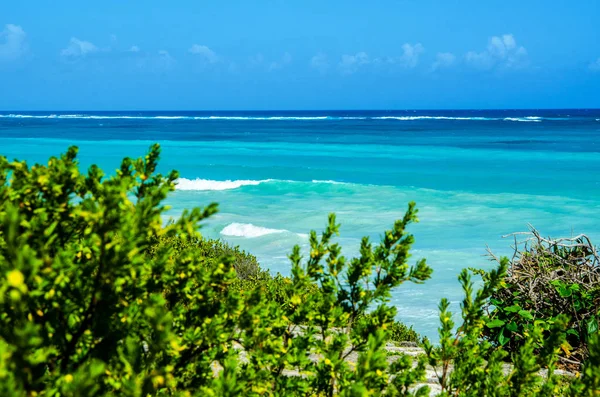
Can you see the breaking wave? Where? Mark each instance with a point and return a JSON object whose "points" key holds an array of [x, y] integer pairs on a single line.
{"points": [[208, 184], [248, 230], [125, 117], [272, 118], [411, 118], [524, 119], [330, 182]]}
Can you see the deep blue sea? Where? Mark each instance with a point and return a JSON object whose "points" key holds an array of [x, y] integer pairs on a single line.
{"points": [[475, 175]]}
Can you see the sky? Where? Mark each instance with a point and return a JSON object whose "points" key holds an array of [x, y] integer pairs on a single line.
{"points": [[299, 55]]}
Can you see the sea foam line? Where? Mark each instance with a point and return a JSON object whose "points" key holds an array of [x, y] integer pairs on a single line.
{"points": [[330, 182], [208, 184], [530, 119], [412, 118], [275, 118], [248, 230], [107, 117]]}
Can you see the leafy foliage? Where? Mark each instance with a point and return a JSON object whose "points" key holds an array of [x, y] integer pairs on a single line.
{"points": [[466, 365], [100, 297], [589, 383], [548, 279], [250, 276], [245, 264]]}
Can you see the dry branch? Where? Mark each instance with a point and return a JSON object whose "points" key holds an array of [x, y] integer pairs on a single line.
{"points": [[539, 265]]}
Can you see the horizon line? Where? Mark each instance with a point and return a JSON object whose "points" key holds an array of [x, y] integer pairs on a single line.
{"points": [[298, 110]]}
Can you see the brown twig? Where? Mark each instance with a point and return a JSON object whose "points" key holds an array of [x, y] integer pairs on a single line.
{"points": [[539, 264]]}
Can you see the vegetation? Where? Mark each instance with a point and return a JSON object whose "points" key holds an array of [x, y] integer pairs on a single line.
{"points": [[250, 276], [99, 297], [547, 279], [245, 264]]}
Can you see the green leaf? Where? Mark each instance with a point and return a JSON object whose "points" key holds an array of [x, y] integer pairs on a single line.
{"points": [[503, 340], [525, 314], [564, 292], [495, 323], [592, 325], [572, 331], [512, 326], [495, 302], [512, 309]]}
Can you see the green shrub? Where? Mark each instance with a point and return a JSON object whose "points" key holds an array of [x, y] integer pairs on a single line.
{"points": [[245, 264], [546, 279], [99, 298], [250, 276], [468, 364]]}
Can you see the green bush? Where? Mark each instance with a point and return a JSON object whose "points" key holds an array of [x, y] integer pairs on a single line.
{"points": [[98, 298], [250, 276], [245, 264], [466, 363], [546, 279]]}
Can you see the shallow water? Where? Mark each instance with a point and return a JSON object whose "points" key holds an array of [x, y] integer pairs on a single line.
{"points": [[475, 175]]}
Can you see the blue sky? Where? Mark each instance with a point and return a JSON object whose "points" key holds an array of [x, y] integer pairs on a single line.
{"points": [[381, 54]]}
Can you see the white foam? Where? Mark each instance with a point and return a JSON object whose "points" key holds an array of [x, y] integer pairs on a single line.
{"points": [[283, 118], [208, 184], [248, 230], [119, 117], [26, 116], [524, 119], [93, 117], [329, 182], [410, 118], [273, 118]]}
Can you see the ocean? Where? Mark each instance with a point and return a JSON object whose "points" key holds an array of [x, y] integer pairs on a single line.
{"points": [[475, 176]]}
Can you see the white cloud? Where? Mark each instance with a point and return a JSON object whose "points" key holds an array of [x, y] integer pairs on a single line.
{"points": [[350, 63], [285, 60], [482, 60], [206, 53], [320, 62], [409, 59], [443, 60], [78, 48], [502, 51], [134, 48], [595, 66], [410, 56], [13, 42]]}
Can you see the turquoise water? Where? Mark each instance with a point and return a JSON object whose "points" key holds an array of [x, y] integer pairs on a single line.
{"points": [[475, 175]]}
